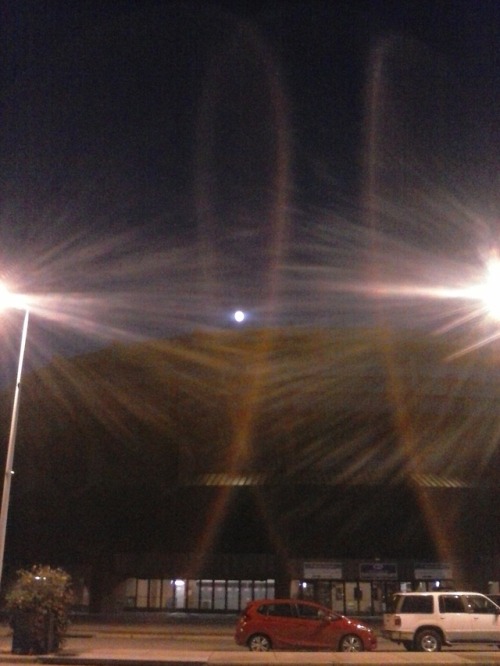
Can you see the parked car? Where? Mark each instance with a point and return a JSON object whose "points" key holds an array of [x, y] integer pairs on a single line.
{"points": [[425, 621], [295, 624]]}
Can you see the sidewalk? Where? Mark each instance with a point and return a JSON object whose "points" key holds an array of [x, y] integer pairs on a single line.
{"points": [[242, 658]]}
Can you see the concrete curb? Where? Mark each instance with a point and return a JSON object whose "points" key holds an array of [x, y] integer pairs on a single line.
{"points": [[82, 661]]}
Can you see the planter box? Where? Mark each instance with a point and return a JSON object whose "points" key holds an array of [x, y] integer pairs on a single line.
{"points": [[28, 638]]}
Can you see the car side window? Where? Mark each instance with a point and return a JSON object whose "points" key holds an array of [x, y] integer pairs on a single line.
{"points": [[451, 603], [479, 604], [279, 610], [310, 612]]}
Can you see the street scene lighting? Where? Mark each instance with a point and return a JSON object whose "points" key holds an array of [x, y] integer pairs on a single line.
{"points": [[491, 288], [8, 301], [486, 292]]}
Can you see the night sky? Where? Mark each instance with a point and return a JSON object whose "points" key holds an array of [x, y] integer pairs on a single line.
{"points": [[310, 163], [220, 136]]}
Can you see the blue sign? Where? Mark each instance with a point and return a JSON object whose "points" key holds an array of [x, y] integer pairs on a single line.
{"points": [[378, 571]]}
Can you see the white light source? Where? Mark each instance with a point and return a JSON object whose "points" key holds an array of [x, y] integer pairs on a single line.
{"points": [[491, 288], [239, 316], [487, 291], [10, 301]]}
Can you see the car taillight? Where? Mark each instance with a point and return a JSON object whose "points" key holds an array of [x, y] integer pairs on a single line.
{"points": [[397, 621]]}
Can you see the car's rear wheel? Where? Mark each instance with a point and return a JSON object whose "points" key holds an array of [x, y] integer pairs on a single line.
{"points": [[351, 643], [428, 640], [259, 643]]}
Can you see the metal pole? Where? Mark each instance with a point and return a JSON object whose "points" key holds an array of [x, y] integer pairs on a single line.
{"points": [[4, 510]]}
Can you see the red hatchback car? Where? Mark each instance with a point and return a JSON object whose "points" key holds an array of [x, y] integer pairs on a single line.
{"points": [[294, 624]]}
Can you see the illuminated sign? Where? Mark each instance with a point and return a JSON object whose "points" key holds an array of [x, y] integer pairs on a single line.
{"points": [[378, 571], [324, 569], [432, 571]]}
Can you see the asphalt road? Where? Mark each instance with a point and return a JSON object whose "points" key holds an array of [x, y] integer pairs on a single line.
{"points": [[210, 641], [206, 642], [178, 633], [183, 642]]}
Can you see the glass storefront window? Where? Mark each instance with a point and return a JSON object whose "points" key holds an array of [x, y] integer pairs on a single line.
{"points": [[233, 595], [206, 594], [154, 594], [246, 592], [180, 593], [263, 589], [337, 597], [219, 595], [130, 593], [327, 592], [352, 594], [142, 593], [167, 595], [307, 590], [193, 594]]}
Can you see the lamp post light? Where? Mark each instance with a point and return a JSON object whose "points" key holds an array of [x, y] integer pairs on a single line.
{"points": [[487, 290], [8, 300], [491, 289]]}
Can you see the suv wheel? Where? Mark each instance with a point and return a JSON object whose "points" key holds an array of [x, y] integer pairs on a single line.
{"points": [[259, 643], [428, 640]]}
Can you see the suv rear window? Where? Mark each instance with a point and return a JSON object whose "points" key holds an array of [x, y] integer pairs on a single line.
{"points": [[479, 604], [416, 604]]}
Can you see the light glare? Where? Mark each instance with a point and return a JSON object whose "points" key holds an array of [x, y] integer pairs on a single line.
{"points": [[491, 291], [9, 300]]}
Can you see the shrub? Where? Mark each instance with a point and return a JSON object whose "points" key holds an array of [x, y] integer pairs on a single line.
{"points": [[43, 595]]}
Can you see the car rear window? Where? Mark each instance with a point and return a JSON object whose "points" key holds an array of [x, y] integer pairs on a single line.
{"points": [[416, 604]]}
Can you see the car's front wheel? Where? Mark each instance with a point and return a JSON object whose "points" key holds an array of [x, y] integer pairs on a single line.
{"points": [[351, 643], [259, 643], [428, 640]]}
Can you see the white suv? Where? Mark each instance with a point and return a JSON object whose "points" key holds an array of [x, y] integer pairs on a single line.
{"points": [[425, 621]]}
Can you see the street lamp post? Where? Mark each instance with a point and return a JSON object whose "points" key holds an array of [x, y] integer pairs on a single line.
{"points": [[4, 509]]}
